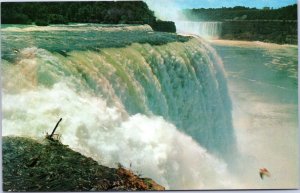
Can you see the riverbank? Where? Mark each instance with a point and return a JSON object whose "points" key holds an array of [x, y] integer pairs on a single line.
{"points": [[30, 165], [245, 43]]}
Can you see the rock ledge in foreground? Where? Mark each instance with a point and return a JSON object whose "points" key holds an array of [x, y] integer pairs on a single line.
{"points": [[29, 165]]}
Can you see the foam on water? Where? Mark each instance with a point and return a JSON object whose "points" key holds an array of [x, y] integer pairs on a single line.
{"points": [[74, 27], [149, 144], [163, 110], [208, 30]]}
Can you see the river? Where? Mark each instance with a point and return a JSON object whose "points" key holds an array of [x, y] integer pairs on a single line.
{"points": [[169, 107], [263, 84]]}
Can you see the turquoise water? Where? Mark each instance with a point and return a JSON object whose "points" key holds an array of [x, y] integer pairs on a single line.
{"points": [[94, 37], [155, 101], [263, 84], [165, 105], [265, 63]]}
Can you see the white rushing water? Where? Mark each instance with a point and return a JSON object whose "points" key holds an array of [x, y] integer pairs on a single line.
{"points": [[163, 110], [263, 84], [205, 29]]}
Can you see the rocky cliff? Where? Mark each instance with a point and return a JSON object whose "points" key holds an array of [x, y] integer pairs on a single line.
{"points": [[275, 31]]}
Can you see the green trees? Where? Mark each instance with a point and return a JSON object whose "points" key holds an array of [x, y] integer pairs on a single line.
{"points": [[63, 12], [105, 12], [16, 18], [166, 26], [242, 13], [57, 19]]}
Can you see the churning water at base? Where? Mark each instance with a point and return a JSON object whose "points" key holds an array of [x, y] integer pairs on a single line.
{"points": [[144, 106], [209, 30]]}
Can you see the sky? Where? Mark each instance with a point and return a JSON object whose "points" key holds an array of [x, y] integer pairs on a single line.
{"points": [[229, 3], [183, 4]]}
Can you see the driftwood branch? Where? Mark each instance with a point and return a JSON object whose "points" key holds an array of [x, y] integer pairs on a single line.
{"points": [[51, 136]]}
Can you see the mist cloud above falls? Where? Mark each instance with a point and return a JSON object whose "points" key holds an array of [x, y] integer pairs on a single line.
{"points": [[165, 10]]}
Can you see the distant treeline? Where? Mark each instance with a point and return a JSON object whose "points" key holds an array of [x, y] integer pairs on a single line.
{"points": [[105, 12], [242, 13]]}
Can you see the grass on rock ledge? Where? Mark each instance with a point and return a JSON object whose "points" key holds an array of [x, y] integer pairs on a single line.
{"points": [[30, 165]]}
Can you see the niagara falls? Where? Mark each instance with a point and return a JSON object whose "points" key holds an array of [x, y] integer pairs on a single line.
{"points": [[147, 99]]}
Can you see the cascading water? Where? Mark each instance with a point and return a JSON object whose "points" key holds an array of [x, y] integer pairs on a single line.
{"points": [[210, 30], [135, 105]]}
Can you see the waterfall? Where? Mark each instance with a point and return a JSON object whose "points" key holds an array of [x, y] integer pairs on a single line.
{"points": [[163, 109], [210, 30]]}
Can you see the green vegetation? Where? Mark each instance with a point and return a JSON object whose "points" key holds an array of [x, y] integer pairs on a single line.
{"points": [[280, 32], [252, 24], [108, 12], [29, 165], [87, 12], [242, 13], [167, 26]]}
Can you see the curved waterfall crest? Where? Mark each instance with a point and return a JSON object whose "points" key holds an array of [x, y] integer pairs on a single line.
{"points": [[206, 29], [126, 104], [182, 82]]}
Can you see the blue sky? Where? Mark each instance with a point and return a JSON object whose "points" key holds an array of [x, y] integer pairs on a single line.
{"points": [[232, 3], [168, 9], [207, 3]]}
